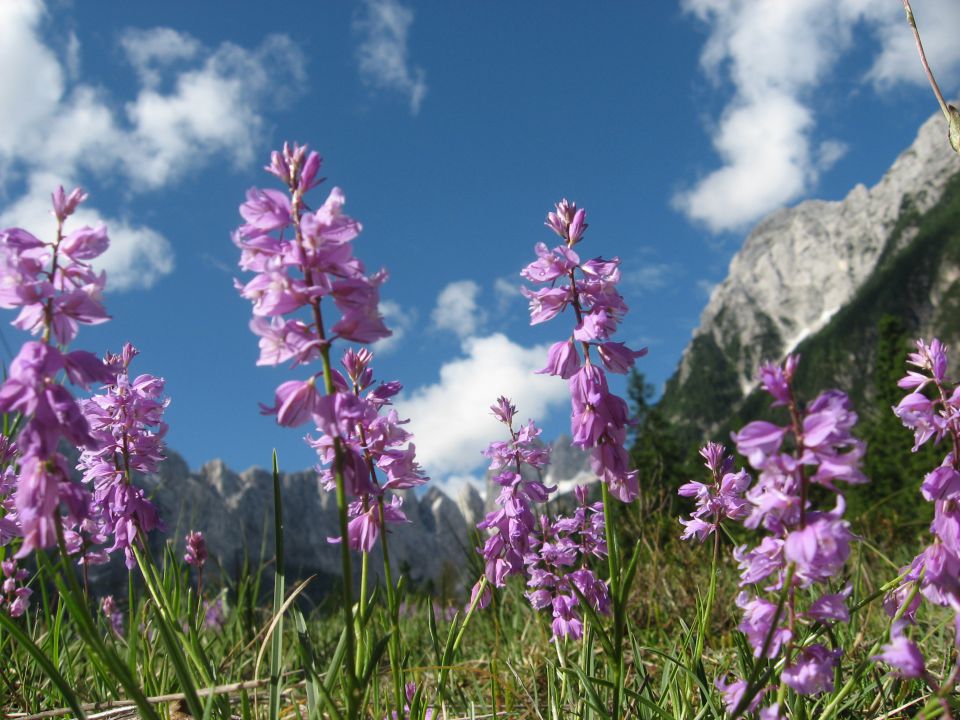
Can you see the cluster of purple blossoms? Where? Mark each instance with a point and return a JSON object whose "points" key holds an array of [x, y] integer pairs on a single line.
{"points": [[550, 555], [932, 410], [196, 550], [368, 442], [557, 566], [599, 419], [126, 422], [805, 547], [9, 526], [722, 499], [56, 290], [301, 257], [511, 525], [14, 595]]}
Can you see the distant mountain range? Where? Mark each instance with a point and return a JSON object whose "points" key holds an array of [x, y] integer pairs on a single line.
{"points": [[817, 278], [235, 512]]}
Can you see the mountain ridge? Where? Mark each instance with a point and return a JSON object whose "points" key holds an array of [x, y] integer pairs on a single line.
{"points": [[796, 271]]}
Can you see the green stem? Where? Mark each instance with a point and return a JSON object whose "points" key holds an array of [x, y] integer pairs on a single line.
{"points": [[394, 609], [279, 590], [362, 613], [445, 669], [711, 596], [613, 565], [345, 564], [296, 205]]}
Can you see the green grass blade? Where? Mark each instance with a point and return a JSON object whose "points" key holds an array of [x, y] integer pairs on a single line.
{"points": [[276, 648], [44, 662]]}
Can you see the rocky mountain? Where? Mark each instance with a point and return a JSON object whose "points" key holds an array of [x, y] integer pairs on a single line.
{"points": [[235, 512], [815, 278]]}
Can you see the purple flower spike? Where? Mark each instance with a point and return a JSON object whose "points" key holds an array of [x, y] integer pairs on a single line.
{"points": [[14, 595], [126, 421], [805, 547], [718, 501], [551, 556], [599, 419], [196, 554], [214, 614], [56, 291], [932, 411], [300, 257]]}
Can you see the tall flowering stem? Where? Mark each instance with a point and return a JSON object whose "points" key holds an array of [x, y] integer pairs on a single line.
{"points": [[374, 443], [300, 257], [805, 547], [56, 290], [551, 555], [720, 500], [931, 409], [126, 420], [599, 419]]}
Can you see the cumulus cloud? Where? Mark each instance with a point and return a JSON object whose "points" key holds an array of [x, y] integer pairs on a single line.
{"points": [[451, 418], [383, 53], [457, 309], [64, 128], [649, 276], [776, 54], [399, 321], [151, 51], [507, 293]]}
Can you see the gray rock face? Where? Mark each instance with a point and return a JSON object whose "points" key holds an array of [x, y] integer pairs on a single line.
{"points": [[800, 265], [235, 512]]}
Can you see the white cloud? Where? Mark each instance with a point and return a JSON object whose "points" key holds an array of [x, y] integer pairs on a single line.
{"points": [[706, 287], [507, 292], [150, 51], [72, 56], [451, 418], [453, 485], [383, 54], [457, 309], [649, 276], [398, 320], [63, 128], [32, 82], [776, 54], [939, 25]]}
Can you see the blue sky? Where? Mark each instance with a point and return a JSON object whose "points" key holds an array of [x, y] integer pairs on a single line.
{"points": [[452, 128]]}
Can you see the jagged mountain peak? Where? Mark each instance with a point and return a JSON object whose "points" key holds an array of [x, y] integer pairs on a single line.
{"points": [[796, 270]]}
